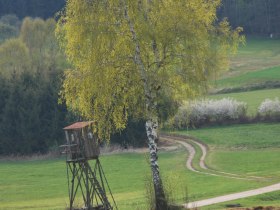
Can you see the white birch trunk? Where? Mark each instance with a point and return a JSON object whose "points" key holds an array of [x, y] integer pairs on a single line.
{"points": [[152, 134], [151, 123]]}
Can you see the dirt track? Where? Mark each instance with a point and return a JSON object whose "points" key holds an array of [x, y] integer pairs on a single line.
{"points": [[203, 169]]}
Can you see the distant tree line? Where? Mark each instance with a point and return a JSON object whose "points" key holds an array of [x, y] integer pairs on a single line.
{"points": [[31, 73], [31, 69], [257, 17], [260, 17], [33, 8]]}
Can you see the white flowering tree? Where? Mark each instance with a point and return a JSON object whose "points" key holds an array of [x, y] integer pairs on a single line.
{"points": [[270, 107]]}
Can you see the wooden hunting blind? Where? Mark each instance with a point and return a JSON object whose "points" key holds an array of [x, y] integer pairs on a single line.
{"points": [[81, 143], [88, 182]]}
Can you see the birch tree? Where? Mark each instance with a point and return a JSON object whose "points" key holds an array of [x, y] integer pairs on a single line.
{"points": [[14, 58], [126, 54]]}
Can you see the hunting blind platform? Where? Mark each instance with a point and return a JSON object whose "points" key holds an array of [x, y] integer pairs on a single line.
{"points": [[88, 182]]}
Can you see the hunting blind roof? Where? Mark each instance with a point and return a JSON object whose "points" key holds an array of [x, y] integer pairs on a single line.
{"points": [[78, 125]]}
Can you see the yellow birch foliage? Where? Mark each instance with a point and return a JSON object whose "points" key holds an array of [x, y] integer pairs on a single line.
{"points": [[181, 47]]}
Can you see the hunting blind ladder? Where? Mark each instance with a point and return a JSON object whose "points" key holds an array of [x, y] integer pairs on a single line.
{"points": [[88, 182]]}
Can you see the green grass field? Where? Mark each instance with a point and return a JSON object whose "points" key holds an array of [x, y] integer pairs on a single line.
{"points": [[251, 78], [256, 145], [255, 63], [256, 54], [43, 184], [252, 150], [248, 136], [258, 61], [244, 149], [252, 98]]}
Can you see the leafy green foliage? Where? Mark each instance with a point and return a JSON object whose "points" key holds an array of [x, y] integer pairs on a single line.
{"points": [[14, 58], [9, 27], [127, 54], [31, 68], [31, 120], [6, 31], [133, 135]]}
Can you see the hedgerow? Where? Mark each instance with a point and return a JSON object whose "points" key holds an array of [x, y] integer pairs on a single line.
{"points": [[270, 108], [197, 113]]}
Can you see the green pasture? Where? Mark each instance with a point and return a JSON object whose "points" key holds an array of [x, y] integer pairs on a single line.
{"points": [[257, 53], [251, 150], [244, 149], [258, 61], [239, 137], [250, 78], [252, 98]]}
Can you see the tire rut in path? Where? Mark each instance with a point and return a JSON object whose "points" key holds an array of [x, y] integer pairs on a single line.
{"points": [[191, 150]]}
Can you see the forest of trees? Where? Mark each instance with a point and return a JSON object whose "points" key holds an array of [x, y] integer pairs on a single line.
{"points": [[32, 8], [260, 17], [257, 17], [31, 73], [32, 66], [31, 69]]}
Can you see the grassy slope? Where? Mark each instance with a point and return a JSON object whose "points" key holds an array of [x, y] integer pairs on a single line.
{"points": [[256, 145], [252, 149], [258, 53], [250, 78], [251, 136], [252, 98], [256, 62]]}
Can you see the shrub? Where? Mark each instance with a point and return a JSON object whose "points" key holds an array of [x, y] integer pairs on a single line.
{"points": [[197, 113], [270, 108]]}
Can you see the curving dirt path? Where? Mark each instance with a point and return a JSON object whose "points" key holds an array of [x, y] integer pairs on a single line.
{"points": [[204, 169], [189, 164]]}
